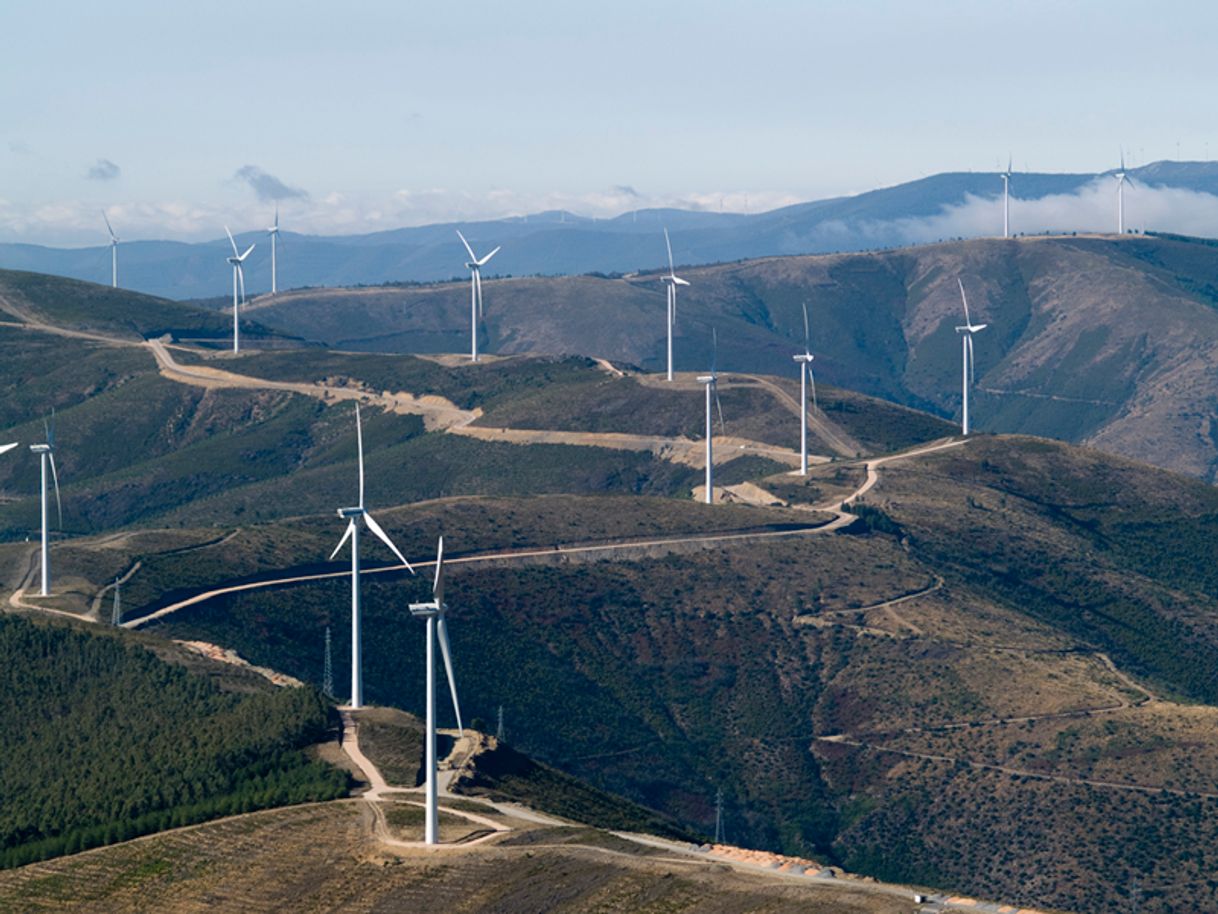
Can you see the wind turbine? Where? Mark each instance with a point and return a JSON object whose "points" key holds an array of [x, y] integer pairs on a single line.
{"points": [[434, 612], [968, 330], [474, 265], [712, 390], [672, 280], [354, 516], [238, 278], [1122, 179], [805, 375], [273, 231], [46, 454], [113, 252], [1006, 200]]}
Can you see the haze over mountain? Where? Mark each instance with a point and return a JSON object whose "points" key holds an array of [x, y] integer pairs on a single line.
{"points": [[1169, 196]]}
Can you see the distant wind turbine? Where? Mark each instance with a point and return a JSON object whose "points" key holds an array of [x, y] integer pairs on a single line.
{"points": [[805, 375], [237, 260], [1006, 200], [354, 516], [672, 280], [1122, 179], [968, 330], [113, 252], [712, 391], [46, 454], [475, 293], [273, 231], [433, 613]]}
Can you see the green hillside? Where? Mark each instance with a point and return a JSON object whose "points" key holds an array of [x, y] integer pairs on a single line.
{"points": [[105, 742]]}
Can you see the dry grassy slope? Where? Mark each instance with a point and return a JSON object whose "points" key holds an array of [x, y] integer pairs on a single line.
{"points": [[1098, 339], [320, 858]]}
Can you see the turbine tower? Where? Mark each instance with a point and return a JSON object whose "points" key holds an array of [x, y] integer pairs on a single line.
{"points": [[968, 330], [354, 516], [805, 375], [474, 265], [273, 231], [1006, 200], [1122, 179], [113, 252], [46, 454], [712, 391], [237, 260], [434, 612], [672, 280]]}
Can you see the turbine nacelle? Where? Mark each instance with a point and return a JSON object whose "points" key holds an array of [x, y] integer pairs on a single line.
{"points": [[971, 328], [676, 280], [804, 357], [38, 448], [351, 512]]}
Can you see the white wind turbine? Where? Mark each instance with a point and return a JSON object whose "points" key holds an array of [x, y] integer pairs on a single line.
{"points": [[475, 293], [968, 330], [672, 280], [1122, 179], [237, 260], [273, 231], [46, 454], [113, 252], [805, 375], [1006, 200], [437, 629], [712, 391], [354, 516]]}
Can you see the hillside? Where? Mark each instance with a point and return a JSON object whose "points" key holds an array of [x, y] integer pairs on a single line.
{"points": [[553, 243], [1096, 340], [1002, 644], [106, 742]]}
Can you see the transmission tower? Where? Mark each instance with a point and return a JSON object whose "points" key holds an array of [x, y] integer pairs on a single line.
{"points": [[116, 614], [719, 837], [499, 726], [327, 679]]}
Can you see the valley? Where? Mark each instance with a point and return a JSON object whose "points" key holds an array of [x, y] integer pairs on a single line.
{"points": [[926, 644]]}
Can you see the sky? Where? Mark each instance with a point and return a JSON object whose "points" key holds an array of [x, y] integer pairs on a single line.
{"points": [[180, 118]]}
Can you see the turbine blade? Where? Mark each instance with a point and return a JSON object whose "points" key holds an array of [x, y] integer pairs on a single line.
{"points": [[972, 361], [672, 270], [812, 381], [384, 538], [276, 215], [714, 353], [719, 406], [346, 536], [805, 304], [230, 240], [359, 444], [964, 298], [467, 247], [442, 631], [247, 252], [241, 280], [437, 588], [478, 290], [8, 447], [483, 261], [55, 478], [113, 237]]}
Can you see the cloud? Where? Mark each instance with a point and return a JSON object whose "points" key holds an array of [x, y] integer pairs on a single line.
{"points": [[103, 170], [267, 186], [624, 190], [19, 148]]}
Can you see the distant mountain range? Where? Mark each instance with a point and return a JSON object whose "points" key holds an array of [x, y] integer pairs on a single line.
{"points": [[560, 243]]}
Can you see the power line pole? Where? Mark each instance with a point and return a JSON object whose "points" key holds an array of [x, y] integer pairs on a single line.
{"points": [[327, 679], [719, 838], [116, 614]]}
